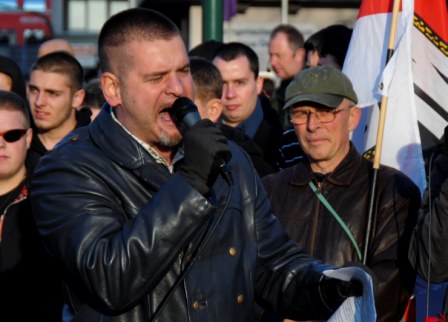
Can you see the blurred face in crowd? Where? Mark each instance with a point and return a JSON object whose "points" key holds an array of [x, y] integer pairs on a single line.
{"points": [[146, 78], [240, 90], [285, 61], [53, 101], [12, 154], [313, 59], [5, 82], [326, 144]]}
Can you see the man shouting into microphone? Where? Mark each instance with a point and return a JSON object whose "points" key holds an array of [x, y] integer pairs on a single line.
{"points": [[148, 228]]}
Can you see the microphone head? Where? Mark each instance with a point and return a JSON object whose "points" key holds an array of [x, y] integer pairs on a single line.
{"points": [[184, 113]]}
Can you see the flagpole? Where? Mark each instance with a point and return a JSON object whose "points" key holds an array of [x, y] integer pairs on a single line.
{"points": [[380, 133]]}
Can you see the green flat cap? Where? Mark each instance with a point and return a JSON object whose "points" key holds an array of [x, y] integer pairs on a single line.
{"points": [[325, 85]]}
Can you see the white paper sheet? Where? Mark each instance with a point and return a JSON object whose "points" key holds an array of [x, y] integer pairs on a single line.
{"points": [[354, 309]]}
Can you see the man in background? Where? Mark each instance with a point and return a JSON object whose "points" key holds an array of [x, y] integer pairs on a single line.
{"points": [[53, 45], [30, 285], [208, 87], [242, 108], [287, 59], [55, 92]]}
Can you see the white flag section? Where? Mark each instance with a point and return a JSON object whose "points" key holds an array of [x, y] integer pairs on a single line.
{"points": [[401, 146], [364, 65]]}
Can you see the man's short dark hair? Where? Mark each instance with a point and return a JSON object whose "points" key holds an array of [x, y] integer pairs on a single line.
{"points": [[61, 63], [10, 101], [234, 50], [206, 77], [136, 24], [294, 36]]}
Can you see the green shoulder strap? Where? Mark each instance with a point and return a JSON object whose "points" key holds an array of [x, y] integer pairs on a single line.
{"points": [[336, 216]]}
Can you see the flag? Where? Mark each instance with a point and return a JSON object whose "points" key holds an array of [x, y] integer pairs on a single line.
{"points": [[365, 65], [415, 81], [430, 64]]}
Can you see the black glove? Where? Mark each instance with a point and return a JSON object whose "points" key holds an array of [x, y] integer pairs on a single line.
{"points": [[335, 291], [205, 150]]}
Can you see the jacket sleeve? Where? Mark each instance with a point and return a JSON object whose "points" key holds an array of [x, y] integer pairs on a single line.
{"points": [[287, 279], [396, 215], [114, 258], [430, 236]]}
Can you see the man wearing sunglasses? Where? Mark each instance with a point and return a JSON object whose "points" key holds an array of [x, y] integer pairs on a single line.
{"points": [[28, 290], [323, 201]]}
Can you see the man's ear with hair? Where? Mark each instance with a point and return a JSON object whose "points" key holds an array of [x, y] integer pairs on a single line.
{"points": [[78, 98], [214, 109], [111, 89]]}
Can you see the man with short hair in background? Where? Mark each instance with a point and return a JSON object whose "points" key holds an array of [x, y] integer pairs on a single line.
{"points": [[55, 91], [287, 58], [242, 107]]}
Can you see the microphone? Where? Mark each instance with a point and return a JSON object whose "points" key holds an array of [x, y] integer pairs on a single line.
{"points": [[185, 114]]}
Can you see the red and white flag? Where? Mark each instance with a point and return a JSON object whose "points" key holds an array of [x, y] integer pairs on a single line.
{"points": [[365, 66], [415, 81]]}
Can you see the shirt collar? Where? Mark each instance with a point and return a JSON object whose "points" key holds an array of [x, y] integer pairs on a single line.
{"points": [[157, 157]]}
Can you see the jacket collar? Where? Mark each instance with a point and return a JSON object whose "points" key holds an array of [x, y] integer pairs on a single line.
{"points": [[121, 148], [342, 175], [113, 140]]}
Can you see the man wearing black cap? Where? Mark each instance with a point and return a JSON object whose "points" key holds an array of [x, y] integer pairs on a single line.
{"points": [[323, 201]]}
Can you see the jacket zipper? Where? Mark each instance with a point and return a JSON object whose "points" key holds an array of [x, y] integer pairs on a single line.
{"points": [[2, 217]]}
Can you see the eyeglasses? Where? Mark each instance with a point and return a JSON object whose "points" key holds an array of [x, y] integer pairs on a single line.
{"points": [[13, 135], [299, 117]]}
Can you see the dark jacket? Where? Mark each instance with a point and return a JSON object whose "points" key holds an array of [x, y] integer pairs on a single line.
{"points": [[347, 188], [37, 148], [278, 101], [434, 226], [124, 226], [30, 289]]}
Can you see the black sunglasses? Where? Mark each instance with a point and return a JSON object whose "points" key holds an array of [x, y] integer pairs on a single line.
{"points": [[13, 135]]}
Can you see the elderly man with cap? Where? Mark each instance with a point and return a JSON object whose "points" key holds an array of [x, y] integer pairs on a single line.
{"points": [[323, 201]]}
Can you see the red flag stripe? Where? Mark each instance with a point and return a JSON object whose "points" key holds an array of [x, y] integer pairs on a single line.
{"points": [[435, 15], [372, 7]]}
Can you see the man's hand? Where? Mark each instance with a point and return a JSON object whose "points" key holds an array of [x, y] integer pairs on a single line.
{"points": [[335, 291], [206, 150]]}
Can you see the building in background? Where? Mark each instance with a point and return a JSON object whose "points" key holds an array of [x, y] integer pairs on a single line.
{"points": [[79, 21]]}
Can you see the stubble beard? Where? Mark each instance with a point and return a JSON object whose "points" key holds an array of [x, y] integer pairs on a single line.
{"points": [[170, 141]]}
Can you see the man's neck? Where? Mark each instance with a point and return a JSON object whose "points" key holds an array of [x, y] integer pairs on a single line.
{"points": [[9, 184], [328, 166], [50, 138]]}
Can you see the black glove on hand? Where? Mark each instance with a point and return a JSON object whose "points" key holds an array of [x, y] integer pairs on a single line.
{"points": [[335, 291], [205, 150]]}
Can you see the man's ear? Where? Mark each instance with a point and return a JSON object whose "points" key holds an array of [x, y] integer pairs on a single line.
{"points": [[259, 81], [111, 88], [28, 137], [355, 116], [214, 109], [78, 98]]}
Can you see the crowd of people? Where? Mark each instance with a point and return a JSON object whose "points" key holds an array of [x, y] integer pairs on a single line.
{"points": [[111, 210]]}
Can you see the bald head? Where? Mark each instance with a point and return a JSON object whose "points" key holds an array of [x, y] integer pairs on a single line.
{"points": [[53, 45]]}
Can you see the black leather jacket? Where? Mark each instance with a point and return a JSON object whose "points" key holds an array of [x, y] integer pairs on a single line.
{"points": [[433, 224], [30, 287], [347, 188], [123, 227]]}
